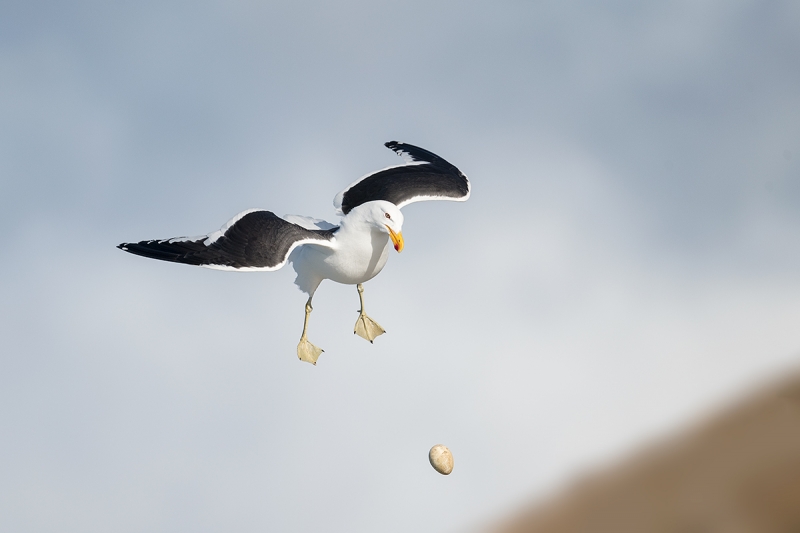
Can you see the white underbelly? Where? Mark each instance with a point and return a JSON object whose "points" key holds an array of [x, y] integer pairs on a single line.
{"points": [[356, 263]]}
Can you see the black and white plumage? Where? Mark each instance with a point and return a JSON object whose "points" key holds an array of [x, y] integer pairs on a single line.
{"points": [[253, 240], [426, 177], [352, 252]]}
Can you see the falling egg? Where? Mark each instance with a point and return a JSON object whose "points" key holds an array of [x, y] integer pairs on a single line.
{"points": [[441, 459]]}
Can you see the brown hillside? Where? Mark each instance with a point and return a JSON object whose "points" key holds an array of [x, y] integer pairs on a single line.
{"points": [[738, 473]]}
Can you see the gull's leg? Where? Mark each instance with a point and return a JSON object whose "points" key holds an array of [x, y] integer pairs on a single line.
{"points": [[365, 326], [305, 350]]}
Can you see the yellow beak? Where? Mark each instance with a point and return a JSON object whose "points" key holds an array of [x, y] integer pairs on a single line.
{"points": [[397, 239]]}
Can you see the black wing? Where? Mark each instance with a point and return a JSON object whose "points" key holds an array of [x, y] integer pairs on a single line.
{"points": [[426, 177], [252, 240]]}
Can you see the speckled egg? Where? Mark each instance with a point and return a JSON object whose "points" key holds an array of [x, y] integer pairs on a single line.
{"points": [[441, 459]]}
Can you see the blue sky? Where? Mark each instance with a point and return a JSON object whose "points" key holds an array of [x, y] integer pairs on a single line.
{"points": [[629, 257]]}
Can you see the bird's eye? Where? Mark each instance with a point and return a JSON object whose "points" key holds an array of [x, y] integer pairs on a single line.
{"points": [[388, 215]]}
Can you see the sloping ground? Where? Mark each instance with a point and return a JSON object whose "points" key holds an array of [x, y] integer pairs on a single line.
{"points": [[737, 473]]}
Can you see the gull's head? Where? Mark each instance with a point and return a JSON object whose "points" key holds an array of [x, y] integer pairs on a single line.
{"points": [[385, 217]]}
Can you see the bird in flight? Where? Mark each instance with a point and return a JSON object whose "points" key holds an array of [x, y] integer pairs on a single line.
{"points": [[352, 252]]}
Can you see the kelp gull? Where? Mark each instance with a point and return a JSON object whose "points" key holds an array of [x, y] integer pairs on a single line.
{"points": [[352, 253]]}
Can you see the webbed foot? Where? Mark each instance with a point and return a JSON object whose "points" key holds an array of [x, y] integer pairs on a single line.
{"points": [[308, 352], [367, 328]]}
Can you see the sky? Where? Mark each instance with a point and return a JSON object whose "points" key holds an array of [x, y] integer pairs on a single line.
{"points": [[627, 261]]}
